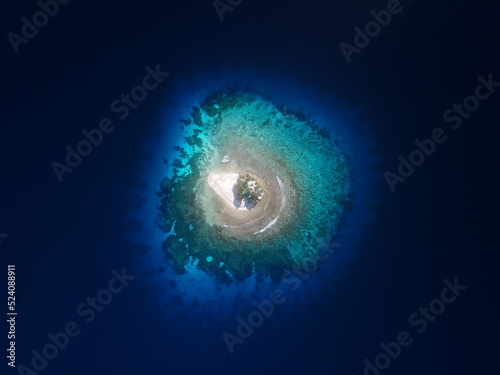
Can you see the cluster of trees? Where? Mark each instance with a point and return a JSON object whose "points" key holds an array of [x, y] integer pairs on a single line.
{"points": [[247, 190]]}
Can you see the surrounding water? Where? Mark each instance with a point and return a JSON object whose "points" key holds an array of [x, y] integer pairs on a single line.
{"points": [[195, 292], [394, 251]]}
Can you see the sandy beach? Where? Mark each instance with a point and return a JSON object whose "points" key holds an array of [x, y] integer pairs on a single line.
{"points": [[223, 183], [240, 220]]}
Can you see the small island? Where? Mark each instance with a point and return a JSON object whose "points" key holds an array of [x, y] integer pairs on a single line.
{"points": [[253, 191], [247, 192]]}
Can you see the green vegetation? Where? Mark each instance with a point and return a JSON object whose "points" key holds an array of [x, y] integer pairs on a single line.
{"points": [[247, 190]]}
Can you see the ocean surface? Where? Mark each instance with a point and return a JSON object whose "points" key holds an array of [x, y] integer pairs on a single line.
{"points": [[94, 95]]}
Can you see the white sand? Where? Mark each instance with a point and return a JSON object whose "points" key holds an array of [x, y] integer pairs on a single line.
{"points": [[223, 185], [283, 199], [268, 225], [282, 189]]}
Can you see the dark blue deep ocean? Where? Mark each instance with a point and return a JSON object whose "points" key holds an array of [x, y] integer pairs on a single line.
{"points": [[387, 286]]}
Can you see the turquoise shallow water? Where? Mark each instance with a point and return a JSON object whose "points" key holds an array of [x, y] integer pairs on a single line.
{"points": [[303, 161], [198, 291]]}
